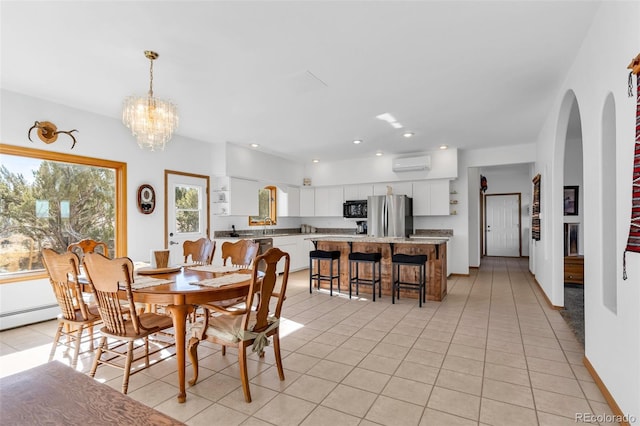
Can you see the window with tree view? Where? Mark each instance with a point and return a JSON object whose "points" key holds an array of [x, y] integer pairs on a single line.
{"points": [[188, 206], [52, 200], [267, 209]]}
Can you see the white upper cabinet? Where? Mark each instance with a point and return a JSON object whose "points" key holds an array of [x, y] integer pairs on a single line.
{"points": [[288, 201], [431, 198], [398, 188], [357, 192], [328, 201], [307, 202], [236, 197]]}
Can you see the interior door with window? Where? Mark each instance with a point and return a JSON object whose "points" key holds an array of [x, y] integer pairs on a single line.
{"points": [[502, 213], [186, 211]]}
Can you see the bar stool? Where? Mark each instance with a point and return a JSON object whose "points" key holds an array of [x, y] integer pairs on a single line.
{"points": [[319, 256], [368, 258], [416, 261]]}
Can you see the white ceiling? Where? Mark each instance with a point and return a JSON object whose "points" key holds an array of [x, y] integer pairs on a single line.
{"points": [[305, 78]]}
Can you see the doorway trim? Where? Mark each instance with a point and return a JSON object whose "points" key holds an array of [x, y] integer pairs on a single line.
{"points": [[166, 201]]}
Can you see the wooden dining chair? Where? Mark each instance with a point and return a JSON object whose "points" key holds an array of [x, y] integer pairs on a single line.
{"points": [[88, 246], [76, 315], [251, 326], [122, 323], [200, 251], [241, 253]]}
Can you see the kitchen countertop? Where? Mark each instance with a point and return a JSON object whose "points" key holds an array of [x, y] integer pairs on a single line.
{"points": [[382, 240]]}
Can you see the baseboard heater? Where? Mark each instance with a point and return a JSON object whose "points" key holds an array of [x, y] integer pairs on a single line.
{"points": [[28, 316]]}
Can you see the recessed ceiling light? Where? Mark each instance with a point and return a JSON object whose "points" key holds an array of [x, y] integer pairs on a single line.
{"points": [[407, 134], [357, 141], [444, 146], [315, 160], [378, 154], [396, 125], [254, 145]]}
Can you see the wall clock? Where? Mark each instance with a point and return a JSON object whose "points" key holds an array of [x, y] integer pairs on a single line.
{"points": [[146, 199]]}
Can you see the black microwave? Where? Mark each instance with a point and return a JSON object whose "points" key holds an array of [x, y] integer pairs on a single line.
{"points": [[355, 209]]}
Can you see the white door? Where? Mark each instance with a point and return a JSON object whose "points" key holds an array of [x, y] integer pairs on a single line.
{"points": [[187, 211], [503, 225]]}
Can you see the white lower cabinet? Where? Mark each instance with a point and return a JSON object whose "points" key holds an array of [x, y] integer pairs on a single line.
{"points": [[292, 244]]}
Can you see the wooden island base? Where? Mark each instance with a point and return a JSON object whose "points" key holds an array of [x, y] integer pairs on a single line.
{"points": [[436, 252]]}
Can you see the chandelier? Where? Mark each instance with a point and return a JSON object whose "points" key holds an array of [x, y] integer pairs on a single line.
{"points": [[151, 120]]}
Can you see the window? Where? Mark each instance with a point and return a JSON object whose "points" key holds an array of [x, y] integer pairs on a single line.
{"points": [[188, 207], [49, 199], [267, 209]]}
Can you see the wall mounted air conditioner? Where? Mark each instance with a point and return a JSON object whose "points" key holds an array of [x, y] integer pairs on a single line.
{"points": [[408, 164]]}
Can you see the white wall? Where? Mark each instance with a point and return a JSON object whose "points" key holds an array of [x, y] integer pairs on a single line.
{"points": [[612, 340]]}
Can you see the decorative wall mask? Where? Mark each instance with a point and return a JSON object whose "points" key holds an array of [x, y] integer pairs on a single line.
{"points": [[146, 199], [48, 132]]}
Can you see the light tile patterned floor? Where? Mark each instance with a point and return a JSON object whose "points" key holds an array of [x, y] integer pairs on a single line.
{"points": [[492, 353]]}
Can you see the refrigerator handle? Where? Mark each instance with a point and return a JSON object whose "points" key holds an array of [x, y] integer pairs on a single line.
{"points": [[385, 218]]}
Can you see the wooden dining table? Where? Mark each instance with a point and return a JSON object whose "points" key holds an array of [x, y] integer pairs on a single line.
{"points": [[180, 298]]}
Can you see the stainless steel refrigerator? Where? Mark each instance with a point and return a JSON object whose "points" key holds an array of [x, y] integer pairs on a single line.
{"points": [[389, 216]]}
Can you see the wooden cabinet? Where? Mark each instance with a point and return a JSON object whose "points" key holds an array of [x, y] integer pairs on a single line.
{"points": [[431, 198], [574, 269]]}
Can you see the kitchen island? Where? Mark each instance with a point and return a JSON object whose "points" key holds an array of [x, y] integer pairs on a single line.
{"points": [[435, 249]]}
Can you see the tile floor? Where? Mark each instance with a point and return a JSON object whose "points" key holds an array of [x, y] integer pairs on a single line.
{"points": [[492, 353]]}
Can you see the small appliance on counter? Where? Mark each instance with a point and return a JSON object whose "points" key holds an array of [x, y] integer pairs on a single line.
{"points": [[361, 227]]}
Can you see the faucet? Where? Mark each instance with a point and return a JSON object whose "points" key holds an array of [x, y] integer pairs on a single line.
{"points": [[267, 219]]}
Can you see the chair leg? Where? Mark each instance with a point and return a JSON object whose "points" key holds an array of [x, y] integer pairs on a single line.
{"points": [[244, 377], [373, 280], [338, 275], [380, 279], [276, 352], [55, 341], [91, 337], [310, 276], [76, 350], [127, 367], [96, 358], [224, 350], [330, 278], [193, 355], [350, 277]]}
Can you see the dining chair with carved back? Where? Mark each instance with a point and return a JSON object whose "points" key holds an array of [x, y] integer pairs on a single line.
{"points": [[88, 246], [241, 253], [199, 252], [76, 315], [122, 322], [251, 326]]}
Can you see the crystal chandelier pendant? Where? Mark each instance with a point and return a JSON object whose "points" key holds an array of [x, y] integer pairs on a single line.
{"points": [[151, 120]]}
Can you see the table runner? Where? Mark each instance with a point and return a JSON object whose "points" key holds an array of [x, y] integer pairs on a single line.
{"points": [[144, 282], [211, 268], [633, 242], [223, 280]]}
